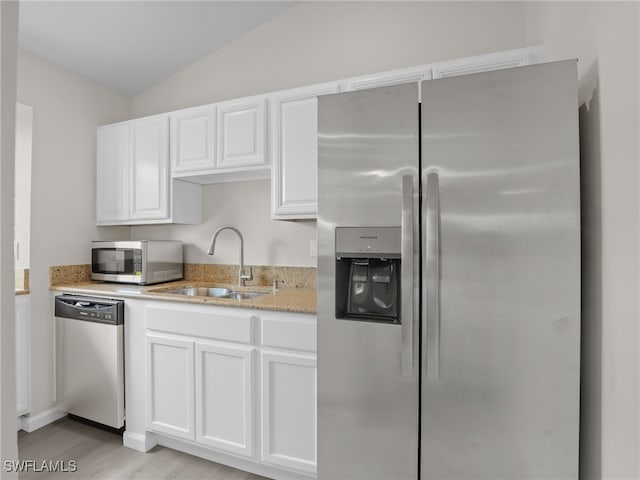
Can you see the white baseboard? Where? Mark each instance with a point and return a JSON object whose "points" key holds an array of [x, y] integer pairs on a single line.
{"points": [[248, 465], [31, 423], [140, 442]]}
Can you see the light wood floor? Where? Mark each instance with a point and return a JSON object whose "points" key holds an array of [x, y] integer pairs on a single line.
{"points": [[100, 455]]}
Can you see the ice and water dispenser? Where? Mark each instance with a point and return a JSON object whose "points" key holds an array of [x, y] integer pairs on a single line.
{"points": [[368, 273]]}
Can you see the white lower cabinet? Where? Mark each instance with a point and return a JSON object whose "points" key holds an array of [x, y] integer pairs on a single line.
{"points": [[23, 355], [237, 383], [288, 410], [170, 385], [224, 397]]}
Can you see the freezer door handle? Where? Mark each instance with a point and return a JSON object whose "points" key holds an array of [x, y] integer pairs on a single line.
{"points": [[407, 312], [431, 283]]}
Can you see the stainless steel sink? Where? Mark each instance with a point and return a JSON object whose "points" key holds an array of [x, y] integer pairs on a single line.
{"points": [[213, 292], [200, 292], [243, 295]]}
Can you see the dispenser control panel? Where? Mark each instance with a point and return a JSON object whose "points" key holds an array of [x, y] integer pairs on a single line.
{"points": [[368, 242]]}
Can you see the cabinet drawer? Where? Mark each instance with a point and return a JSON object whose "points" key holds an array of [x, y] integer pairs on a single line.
{"points": [[206, 322], [291, 332]]}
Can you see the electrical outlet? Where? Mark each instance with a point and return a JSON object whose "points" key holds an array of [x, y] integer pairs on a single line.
{"points": [[313, 248]]}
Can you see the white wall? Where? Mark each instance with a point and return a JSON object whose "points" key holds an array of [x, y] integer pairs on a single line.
{"points": [[604, 37], [67, 108], [252, 216], [310, 43], [24, 128]]}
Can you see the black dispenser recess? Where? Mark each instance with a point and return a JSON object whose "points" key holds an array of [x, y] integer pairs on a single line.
{"points": [[368, 273]]}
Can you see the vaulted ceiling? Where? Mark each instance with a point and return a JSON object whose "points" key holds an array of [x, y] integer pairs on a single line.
{"points": [[132, 45]]}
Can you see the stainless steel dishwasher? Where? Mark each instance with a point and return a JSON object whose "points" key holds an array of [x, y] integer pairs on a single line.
{"points": [[89, 358]]}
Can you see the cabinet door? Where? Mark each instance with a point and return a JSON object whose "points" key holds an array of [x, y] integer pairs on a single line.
{"points": [[241, 133], [294, 178], [150, 168], [224, 406], [193, 139], [112, 174], [289, 424], [170, 385]]}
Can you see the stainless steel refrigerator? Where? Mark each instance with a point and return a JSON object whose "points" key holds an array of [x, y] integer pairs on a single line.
{"points": [[449, 278]]}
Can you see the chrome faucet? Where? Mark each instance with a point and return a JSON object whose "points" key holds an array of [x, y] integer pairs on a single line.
{"points": [[241, 277]]}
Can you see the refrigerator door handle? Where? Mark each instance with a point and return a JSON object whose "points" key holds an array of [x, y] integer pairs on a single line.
{"points": [[431, 284], [407, 312]]}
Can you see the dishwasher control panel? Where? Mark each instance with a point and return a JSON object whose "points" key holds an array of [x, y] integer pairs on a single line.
{"points": [[101, 310]]}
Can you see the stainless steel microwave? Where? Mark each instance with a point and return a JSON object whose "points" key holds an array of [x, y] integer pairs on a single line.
{"points": [[136, 261]]}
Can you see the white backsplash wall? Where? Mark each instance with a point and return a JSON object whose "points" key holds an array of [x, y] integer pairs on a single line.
{"points": [[246, 206]]}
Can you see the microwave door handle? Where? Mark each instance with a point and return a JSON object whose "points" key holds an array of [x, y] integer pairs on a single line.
{"points": [[406, 307], [431, 283]]}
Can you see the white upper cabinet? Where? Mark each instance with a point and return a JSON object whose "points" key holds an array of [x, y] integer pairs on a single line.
{"points": [[133, 185], [112, 174], [294, 141], [394, 77], [149, 169], [258, 137], [193, 139], [242, 133], [222, 142]]}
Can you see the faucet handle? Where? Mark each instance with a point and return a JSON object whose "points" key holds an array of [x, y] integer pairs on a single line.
{"points": [[247, 277]]}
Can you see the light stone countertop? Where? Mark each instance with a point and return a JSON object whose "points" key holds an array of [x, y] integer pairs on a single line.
{"points": [[301, 300]]}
